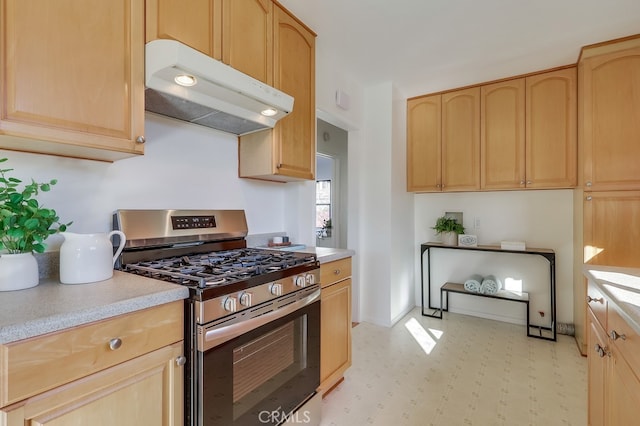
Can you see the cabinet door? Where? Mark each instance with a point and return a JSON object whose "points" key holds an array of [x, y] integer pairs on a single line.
{"points": [[247, 42], [611, 228], [196, 23], [423, 144], [461, 140], [609, 86], [335, 333], [147, 390], [294, 73], [72, 74], [597, 370], [502, 138], [623, 397], [552, 129]]}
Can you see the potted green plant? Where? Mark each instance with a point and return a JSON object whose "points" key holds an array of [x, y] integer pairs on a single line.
{"points": [[326, 228], [24, 226], [449, 228]]}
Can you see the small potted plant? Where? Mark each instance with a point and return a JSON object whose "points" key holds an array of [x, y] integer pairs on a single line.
{"points": [[326, 228], [24, 226], [449, 229]]}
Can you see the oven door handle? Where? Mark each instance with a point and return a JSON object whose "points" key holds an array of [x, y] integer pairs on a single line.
{"points": [[216, 335]]}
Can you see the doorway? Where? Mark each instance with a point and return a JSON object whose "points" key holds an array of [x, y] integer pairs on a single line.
{"points": [[331, 186]]}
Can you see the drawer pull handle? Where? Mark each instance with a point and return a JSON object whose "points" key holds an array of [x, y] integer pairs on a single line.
{"points": [[115, 343], [593, 299], [337, 272], [601, 351], [181, 360], [615, 336]]}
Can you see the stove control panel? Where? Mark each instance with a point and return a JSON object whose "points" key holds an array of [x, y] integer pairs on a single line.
{"points": [[219, 307], [193, 222]]}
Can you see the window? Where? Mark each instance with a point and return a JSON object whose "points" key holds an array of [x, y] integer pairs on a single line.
{"points": [[323, 208]]}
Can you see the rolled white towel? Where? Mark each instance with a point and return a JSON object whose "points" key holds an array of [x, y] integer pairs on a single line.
{"points": [[490, 285], [473, 283]]}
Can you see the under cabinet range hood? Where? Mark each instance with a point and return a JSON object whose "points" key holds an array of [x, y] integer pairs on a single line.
{"points": [[188, 85]]}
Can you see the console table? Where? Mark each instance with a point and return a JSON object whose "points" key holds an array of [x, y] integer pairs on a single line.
{"points": [[437, 312]]}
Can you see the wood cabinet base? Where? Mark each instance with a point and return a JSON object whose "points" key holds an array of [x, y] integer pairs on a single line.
{"points": [[146, 390]]}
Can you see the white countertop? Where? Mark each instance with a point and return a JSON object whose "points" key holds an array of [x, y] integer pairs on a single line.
{"points": [[328, 254], [621, 287], [52, 306]]}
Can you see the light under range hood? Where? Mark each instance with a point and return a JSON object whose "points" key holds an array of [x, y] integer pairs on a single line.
{"points": [[222, 97]]}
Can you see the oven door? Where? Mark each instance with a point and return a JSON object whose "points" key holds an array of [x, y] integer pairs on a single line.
{"points": [[258, 371]]}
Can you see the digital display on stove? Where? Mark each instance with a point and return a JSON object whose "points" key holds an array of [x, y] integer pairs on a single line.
{"points": [[193, 222]]}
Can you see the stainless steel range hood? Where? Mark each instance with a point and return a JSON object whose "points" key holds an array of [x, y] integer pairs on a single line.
{"points": [[220, 97]]}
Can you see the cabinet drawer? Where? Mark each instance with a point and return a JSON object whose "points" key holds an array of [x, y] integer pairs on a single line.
{"points": [[597, 303], [628, 342], [335, 271], [34, 365]]}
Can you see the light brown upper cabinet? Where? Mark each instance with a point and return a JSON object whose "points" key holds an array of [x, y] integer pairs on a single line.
{"points": [[611, 228], [513, 134], [72, 77], [609, 89], [502, 138], [288, 151], [424, 135], [236, 32], [529, 133], [551, 129], [443, 142], [461, 140]]}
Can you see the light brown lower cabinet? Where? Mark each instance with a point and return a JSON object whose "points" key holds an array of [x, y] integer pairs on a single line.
{"points": [[127, 370], [335, 322], [597, 369], [144, 391], [613, 369]]}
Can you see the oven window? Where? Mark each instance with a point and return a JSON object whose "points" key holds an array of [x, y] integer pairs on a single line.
{"points": [[268, 370]]}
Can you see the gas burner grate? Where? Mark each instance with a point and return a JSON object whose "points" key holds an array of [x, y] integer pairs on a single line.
{"points": [[219, 268]]}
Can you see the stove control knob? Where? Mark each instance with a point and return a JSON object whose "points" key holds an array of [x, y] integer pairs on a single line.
{"points": [[276, 289], [245, 299], [230, 304], [310, 278], [300, 281]]}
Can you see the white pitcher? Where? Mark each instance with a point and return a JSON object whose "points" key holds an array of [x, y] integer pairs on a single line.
{"points": [[87, 258]]}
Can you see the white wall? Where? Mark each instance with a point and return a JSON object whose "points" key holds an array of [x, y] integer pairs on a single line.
{"points": [[184, 166], [542, 219], [375, 222], [402, 247], [329, 78], [387, 227], [380, 211]]}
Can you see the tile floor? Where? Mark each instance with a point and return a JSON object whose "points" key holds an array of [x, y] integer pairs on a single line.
{"points": [[459, 371]]}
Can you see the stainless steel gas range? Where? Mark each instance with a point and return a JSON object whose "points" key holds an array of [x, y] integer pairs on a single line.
{"points": [[252, 329]]}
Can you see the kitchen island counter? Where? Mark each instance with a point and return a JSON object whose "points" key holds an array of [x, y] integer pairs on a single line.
{"points": [[621, 287], [52, 306]]}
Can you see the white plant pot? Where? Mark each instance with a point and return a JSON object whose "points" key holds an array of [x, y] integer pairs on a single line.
{"points": [[449, 238], [18, 271]]}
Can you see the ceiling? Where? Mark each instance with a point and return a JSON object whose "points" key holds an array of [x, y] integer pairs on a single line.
{"points": [[425, 46]]}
